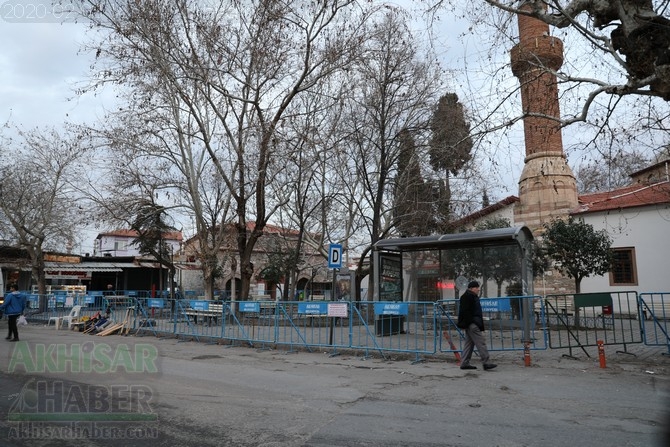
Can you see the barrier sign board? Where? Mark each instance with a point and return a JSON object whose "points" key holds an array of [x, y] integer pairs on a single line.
{"points": [[495, 305], [391, 308], [313, 308], [249, 306], [199, 305], [158, 303]]}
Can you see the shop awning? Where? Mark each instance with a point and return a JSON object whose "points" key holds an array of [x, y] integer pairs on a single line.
{"points": [[85, 266]]}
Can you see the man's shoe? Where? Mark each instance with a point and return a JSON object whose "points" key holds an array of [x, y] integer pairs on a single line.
{"points": [[468, 367], [488, 366], [8, 338]]}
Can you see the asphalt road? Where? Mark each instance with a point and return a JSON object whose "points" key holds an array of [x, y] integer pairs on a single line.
{"points": [[63, 388]]}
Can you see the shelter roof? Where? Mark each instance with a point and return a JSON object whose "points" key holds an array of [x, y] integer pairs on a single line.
{"points": [[497, 236]]}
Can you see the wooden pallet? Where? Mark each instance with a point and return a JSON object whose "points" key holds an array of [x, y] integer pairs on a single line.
{"points": [[123, 327]]}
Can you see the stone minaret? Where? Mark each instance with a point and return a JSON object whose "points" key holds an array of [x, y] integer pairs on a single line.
{"points": [[547, 187]]}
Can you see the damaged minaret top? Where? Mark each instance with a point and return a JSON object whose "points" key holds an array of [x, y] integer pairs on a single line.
{"points": [[547, 188]]}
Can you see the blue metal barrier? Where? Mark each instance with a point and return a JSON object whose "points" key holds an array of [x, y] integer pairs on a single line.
{"points": [[154, 315], [504, 320], [390, 326], [251, 322], [415, 328], [199, 319], [655, 317], [310, 324]]}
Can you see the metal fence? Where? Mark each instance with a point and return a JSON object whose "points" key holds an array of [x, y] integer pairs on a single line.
{"points": [[655, 317], [418, 329], [585, 319], [505, 321]]}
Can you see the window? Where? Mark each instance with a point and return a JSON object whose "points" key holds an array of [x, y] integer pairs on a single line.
{"points": [[624, 271], [119, 245]]}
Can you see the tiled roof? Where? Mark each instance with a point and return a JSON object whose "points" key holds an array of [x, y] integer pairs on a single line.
{"points": [[510, 200], [268, 229], [626, 197], [171, 235]]}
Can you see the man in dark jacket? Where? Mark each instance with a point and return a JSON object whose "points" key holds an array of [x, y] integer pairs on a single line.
{"points": [[470, 319], [13, 307]]}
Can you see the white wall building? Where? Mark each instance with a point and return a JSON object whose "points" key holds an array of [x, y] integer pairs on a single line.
{"points": [[637, 219], [120, 243]]}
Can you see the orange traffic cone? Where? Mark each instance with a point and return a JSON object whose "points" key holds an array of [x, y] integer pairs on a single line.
{"points": [[457, 354]]}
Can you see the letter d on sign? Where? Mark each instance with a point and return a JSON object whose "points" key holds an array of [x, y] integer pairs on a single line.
{"points": [[335, 256]]}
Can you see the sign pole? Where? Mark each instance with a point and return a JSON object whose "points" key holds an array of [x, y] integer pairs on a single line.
{"points": [[332, 298], [334, 263]]}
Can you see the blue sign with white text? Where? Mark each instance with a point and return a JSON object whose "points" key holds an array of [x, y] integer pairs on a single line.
{"points": [[250, 306], [313, 308], [199, 304], [157, 303], [391, 308], [495, 305]]}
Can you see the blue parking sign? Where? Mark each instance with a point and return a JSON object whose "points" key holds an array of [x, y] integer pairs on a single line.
{"points": [[335, 256]]}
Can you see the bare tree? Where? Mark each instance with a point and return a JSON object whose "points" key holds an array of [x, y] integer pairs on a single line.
{"points": [[635, 34], [610, 171], [308, 179], [394, 90], [235, 69], [38, 205], [613, 81], [160, 159], [630, 38]]}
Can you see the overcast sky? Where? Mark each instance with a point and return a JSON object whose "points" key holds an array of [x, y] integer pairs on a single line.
{"points": [[42, 63], [40, 66]]}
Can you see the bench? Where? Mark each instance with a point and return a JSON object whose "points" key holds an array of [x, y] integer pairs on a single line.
{"points": [[561, 306], [268, 304], [213, 312]]}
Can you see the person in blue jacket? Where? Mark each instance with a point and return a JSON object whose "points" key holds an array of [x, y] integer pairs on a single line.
{"points": [[13, 307]]}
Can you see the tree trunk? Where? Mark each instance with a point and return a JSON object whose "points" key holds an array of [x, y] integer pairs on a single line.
{"points": [[246, 273], [40, 278]]}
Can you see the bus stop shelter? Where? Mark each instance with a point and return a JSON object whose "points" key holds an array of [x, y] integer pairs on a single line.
{"points": [[439, 268], [430, 268]]}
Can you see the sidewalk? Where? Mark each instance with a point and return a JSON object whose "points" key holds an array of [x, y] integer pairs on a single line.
{"points": [[206, 394]]}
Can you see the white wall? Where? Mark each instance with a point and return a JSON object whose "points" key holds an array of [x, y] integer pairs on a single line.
{"points": [[647, 229], [107, 245]]}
